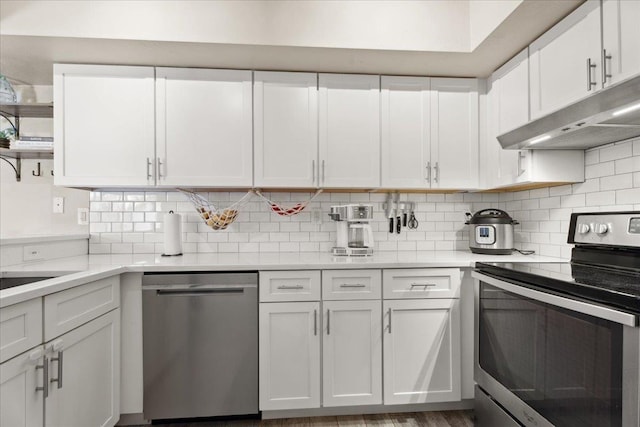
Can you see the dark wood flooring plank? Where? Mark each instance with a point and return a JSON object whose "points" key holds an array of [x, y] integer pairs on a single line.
{"points": [[458, 418]]}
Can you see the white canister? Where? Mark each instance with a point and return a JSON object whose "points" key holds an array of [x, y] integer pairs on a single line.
{"points": [[172, 234]]}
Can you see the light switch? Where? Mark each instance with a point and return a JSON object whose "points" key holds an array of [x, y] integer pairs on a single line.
{"points": [[58, 205]]}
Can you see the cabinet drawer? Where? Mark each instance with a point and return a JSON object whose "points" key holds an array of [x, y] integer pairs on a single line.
{"points": [[421, 283], [66, 310], [289, 285], [351, 284], [20, 328]]}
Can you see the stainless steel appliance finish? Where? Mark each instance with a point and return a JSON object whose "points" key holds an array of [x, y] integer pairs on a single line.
{"points": [[200, 344], [354, 236], [610, 115], [559, 344], [489, 414], [491, 232]]}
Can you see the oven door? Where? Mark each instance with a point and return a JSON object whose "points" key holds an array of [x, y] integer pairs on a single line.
{"points": [[551, 360]]}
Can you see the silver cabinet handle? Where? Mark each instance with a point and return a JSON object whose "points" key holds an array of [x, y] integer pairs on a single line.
{"points": [[389, 320], [323, 172], [313, 171], [198, 292], [45, 377], [59, 361], [436, 169], [428, 178], [590, 83], [424, 285], [605, 57], [521, 156], [291, 287], [148, 168], [328, 322], [159, 168], [357, 285], [315, 322]]}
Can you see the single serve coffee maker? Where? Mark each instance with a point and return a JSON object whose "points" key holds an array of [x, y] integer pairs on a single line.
{"points": [[354, 235]]}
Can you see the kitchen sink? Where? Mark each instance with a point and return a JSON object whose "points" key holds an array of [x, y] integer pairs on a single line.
{"points": [[10, 282]]}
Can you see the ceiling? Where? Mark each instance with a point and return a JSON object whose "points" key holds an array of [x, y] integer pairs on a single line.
{"points": [[26, 56]]}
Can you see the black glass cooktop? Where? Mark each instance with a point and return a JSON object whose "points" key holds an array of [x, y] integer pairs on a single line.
{"points": [[617, 287]]}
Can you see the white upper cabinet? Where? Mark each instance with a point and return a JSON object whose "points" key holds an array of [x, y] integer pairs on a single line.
{"points": [[349, 131], [621, 39], [565, 62], [429, 133], [204, 124], [285, 111], [508, 108], [103, 125], [405, 124], [454, 133]]}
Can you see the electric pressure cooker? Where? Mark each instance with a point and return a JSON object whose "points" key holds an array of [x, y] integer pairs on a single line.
{"points": [[491, 232]]}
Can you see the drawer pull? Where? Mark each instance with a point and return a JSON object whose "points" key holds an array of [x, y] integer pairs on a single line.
{"points": [[389, 320], [357, 285], [291, 287], [424, 285]]}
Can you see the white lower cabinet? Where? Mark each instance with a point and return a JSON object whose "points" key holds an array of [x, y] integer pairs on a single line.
{"points": [[289, 343], [84, 375], [352, 353], [21, 400], [421, 351]]}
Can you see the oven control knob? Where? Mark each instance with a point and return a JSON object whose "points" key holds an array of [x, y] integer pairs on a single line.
{"points": [[583, 228], [601, 229]]}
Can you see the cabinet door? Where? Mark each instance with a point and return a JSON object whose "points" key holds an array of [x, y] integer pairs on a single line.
{"points": [[285, 112], [421, 351], [559, 61], [349, 130], [204, 127], [352, 353], [21, 404], [621, 39], [454, 133], [405, 137], [103, 125], [289, 343], [86, 388], [513, 111]]}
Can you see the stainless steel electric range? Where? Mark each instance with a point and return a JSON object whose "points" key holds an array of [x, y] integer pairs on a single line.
{"points": [[559, 344]]}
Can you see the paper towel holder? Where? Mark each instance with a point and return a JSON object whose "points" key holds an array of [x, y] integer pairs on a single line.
{"points": [[167, 255]]}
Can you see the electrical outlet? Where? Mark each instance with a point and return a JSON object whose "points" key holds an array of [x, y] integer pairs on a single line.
{"points": [[83, 216], [58, 205]]}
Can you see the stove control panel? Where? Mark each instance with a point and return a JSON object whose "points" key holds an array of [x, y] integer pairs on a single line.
{"points": [[614, 229]]}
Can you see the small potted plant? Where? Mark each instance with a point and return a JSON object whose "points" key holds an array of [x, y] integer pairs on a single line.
{"points": [[6, 136]]}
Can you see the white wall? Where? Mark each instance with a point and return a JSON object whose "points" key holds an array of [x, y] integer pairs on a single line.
{"points": [[26, 207], [485, 16], [395, 25]]}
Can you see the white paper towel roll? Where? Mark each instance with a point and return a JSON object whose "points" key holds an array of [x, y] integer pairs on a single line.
{"points": [[172, 234]]}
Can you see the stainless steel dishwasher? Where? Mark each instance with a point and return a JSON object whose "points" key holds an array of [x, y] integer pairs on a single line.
{"points": [[200, 343]]}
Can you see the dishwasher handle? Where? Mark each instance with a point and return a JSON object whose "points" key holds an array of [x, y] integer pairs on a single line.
{"points": [[198, 292]]}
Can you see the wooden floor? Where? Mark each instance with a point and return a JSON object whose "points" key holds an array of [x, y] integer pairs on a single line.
{"points": [[409, 419]]}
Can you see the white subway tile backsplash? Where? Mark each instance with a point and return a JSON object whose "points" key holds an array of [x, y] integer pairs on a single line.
{"points": [[631, 196], [601, 198], [599, 169]]}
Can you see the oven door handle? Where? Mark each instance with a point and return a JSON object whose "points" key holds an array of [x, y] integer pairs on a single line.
{"points": [[558, 301]]}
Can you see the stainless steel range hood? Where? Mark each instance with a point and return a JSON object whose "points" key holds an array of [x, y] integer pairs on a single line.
{"points": [[610, 115]]}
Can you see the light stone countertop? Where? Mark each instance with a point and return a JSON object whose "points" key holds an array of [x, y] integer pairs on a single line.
{"points": [[74, 271]]}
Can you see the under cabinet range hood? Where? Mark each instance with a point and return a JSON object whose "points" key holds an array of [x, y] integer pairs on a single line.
{"points": [[610, 115]]}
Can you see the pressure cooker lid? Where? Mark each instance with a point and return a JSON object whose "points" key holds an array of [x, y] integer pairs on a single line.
{"points": [[491, 216]]}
